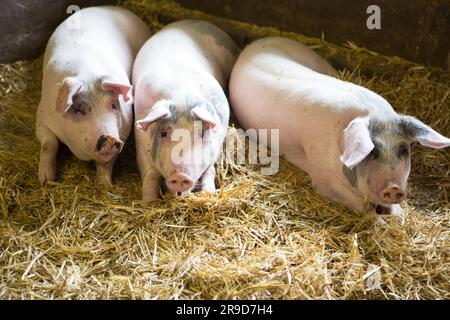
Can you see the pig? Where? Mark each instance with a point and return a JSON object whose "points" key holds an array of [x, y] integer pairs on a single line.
{"points": [[179, 78], [350, 141], [86, 100]]}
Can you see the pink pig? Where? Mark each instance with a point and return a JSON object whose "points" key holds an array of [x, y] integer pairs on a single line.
{"points": [[86, 98], [351, 142], [179, 78]]}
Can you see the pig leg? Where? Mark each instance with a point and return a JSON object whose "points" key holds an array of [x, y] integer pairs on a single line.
{"points": [[208, 180], [398, 213], [338, 192], [150, 184], [49, 149], [296, 155], [151, 177], [104, 173]]}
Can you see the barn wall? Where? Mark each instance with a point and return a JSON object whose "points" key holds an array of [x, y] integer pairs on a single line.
{"points": [[26, 25], [417, 30]]}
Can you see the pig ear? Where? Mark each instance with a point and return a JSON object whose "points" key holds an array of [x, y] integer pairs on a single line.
{"points": [[426, 136], [203, 114], [111, 84], [69, 87], [357, 143], [160, 110]]}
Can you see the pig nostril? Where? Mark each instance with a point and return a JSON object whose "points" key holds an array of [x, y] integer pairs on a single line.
{"points": [[101, 142], [399, 195], [386, 195]]}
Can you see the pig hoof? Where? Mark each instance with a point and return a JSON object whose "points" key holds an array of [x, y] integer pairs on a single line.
{"points": [[46, 176], [398, 212], [150, 194], [104, 182], [396, 209], [150, 198]]}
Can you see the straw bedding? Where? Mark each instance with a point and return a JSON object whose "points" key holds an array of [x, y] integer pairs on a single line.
{"points": [[258, 237]]}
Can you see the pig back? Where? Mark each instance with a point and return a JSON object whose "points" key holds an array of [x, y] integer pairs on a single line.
{"points": [[188, 46], [214, 42], [282, 77], [296, 52], [98, 33]]}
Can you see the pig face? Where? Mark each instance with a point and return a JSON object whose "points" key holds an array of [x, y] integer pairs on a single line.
{"points": [[184, 141], [377, 159], [94, 125]]}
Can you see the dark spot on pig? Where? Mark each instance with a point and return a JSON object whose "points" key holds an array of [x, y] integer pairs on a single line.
{"points": [[411, 127], [176, 113], [394, 127], [186, 113], [198, 184], [376, 128], [79, 107], [351, 175], [382, 209], [155, 144], [220, 37], [389, 137], [403, 151], [375, 153]]}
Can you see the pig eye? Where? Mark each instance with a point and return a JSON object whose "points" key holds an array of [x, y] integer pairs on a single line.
{"points": [[375, 154], [402, 151], [79, 108], [114, 106], [205, 127], [165, 132]]}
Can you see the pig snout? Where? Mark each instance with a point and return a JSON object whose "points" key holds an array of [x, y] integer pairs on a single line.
{"points": [[179, 182], [392, 194], [107, 146]]}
